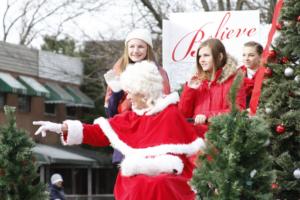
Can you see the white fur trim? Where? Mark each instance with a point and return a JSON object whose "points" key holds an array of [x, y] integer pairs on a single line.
{"points": [[188, 149], [152, 166], [113, 137], [162, 103], [113, 81], [140, 112], [75, 132], [159, 106]]}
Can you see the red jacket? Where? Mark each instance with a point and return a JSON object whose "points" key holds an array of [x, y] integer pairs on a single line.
{"points": [[209, 99], [248, 82]]}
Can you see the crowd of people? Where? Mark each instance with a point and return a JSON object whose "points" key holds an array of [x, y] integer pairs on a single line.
{"points": [[147, 123]]}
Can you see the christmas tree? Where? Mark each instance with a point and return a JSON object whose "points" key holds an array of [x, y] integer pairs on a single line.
{"points": [[280, 102], [236, 163], [18, 172]]}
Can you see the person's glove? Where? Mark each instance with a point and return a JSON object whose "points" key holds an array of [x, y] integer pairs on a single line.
{"points": [[47, 126], [113, 80]]}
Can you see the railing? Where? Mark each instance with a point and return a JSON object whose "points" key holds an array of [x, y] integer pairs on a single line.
{"points": [[90, 197]]}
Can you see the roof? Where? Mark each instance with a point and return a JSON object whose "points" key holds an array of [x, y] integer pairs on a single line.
{"points": [[81, 100], [75, 155], [57, 94], [52, 154], [58, 67]]}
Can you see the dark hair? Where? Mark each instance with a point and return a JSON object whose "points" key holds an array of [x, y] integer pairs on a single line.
{"points": [[258, 47], [217, 50]]}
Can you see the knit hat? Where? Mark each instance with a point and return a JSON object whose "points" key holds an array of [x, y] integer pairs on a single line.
{"points": [[142, 34], [55, 178]]}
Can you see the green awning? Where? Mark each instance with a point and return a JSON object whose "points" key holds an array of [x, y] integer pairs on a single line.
{"points": [[58, 94], [34, 88], [9, 84], [81, 100]]}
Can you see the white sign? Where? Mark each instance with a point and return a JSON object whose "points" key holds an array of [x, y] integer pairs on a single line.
{"points": [[184, 32]]}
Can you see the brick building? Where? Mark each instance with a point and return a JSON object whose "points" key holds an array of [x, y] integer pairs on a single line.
{"points": [[46, 86]]}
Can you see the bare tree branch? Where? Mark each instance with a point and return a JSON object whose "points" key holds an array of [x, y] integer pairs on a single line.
{"points": [[36, 12], [14, 21], [27, 27], [144, 17], [228, 4], [221, 5], [271, 10], [156, 15], [205, 5], [240, 3]]}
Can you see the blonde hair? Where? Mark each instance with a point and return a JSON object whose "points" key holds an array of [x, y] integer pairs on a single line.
{"points": [[217, 49], [125, 60]]}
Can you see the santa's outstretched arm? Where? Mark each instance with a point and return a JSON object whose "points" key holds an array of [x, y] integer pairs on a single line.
{"points": [[74, 132]]}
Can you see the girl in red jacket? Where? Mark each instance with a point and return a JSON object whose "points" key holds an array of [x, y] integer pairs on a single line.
{"points": [[252, 53], [154, 137], [206, 93]]}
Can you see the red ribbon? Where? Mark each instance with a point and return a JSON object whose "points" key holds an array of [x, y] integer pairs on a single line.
{"points": [[261, 71]]}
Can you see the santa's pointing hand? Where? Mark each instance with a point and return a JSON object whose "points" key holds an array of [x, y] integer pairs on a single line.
{"points": [[47, 126]]}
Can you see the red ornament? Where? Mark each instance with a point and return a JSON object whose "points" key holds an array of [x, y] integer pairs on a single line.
{"points": [[280, 129], [272, 54], [278, 26], [284, 60], [274, 186], [268, 72], [209, 157], [298, 19]]}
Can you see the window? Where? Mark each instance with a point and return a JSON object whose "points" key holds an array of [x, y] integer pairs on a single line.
{"points": [[71, 111], [24, 103], [50, 108], [103, 180], [2, 99]]}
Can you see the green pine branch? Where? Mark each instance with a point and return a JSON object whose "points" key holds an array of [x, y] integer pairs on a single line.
{"points": [[18, 170], [236, 163], [280, 103]]}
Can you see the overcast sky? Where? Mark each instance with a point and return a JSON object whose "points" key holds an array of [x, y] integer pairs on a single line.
{"points": [[114, 21]]}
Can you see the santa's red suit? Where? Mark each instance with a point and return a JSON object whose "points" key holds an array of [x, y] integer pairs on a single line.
{"points": [[157, 144]]}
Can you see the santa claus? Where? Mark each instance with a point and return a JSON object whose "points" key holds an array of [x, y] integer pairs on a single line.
{"points": [[154, 137]]}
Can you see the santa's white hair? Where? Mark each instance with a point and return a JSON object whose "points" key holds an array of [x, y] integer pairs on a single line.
{"points": [[143, 78]]}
